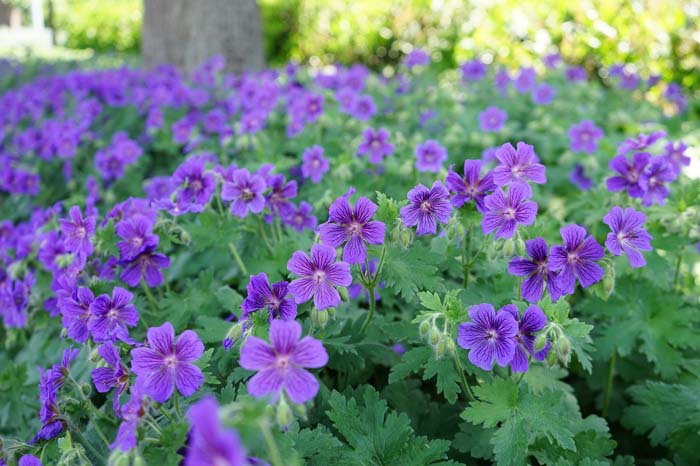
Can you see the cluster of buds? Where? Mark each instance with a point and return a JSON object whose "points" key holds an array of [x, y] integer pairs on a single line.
{"points": [[561, 344], [507, 248], [402, 235], [440, 339], [319, 318]]}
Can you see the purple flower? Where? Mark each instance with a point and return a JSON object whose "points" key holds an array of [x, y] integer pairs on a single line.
{"points": [[136, 234], [245, 191], [167, 363], [77, 232], [627, 234], [518, 165], [426, 208], [111, 317], [363, 108], [583, 137], [75, 312], [210, 444], [536, 270], [640, 143], [507, 211], [576, 73], [281, 367], [353, 226], [273, 298], [473, 70], [376, 144], [301, 217], [532, 321], [576, 259], [501, 81], [469, 187], [318, 276], [552, 60], [658, 172], [280, 193], [489, 336], [578, 177], [417, 57], [492, 119], [196, 184], [429, 156], [29, 460], [314, 164], [542, 94], [159, 187], [131, 412], [525, 80], [114, 375], [675, 156], [146, 265], [629, 173]]}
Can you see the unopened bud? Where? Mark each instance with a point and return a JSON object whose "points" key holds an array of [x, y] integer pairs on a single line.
{"points": [[609, 282], [321, 317], [64, 260], [440, 349], [508, 248], [284, 413], [552, 358], [94, 355], [343, 293], [118, 458], [424, 328], [493, 251], [139, 461], [396, 234], [520, 247], [434, 336], [179, 235], [450, 345], [540, 342], [564, 349], [406, 238]]}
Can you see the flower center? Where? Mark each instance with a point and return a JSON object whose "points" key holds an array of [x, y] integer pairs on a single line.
{"points": [[509, 213], [282, 362], [376, 144], [80, 232], [354, 229], [319, 276], [572, 257], [170, 361], [425, 206], [112, 314], [491, 335], [247, 194], [316, 163], [196, 185]]}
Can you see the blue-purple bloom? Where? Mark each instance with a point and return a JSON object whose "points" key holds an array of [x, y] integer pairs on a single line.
{"points": [[652, 180], [376, 144], [314, 164], [521, 164], [507, 211], [146, 265], [492, 119], [578, 177], [530, 322], [543, 94], [260, 295], [640, 143], [577, 258], [417, 57], [629, 173], [77, 232], [114, 375], [281, 367], [675, 156], [245, 191], [210, 444], [525, 80], [473, 70], [470, 187], [627, 234], [301, 218], [536, 270], [584, 137], [489, 336], [110, 317], [318, 276], [426, 208], [430, 156]]}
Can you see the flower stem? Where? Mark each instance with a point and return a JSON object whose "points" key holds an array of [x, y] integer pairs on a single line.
{"points": [[460, 370], [149, 295], [237, 256], [466, 252], [177, 406], [676, 275], [609, 385], [275, 457], [372, 305]]}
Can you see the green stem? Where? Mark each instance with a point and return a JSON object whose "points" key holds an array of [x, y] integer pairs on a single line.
{"points": [[278, 228], [275, 457], [84, 442], [460, 370], [466, 252], [261, 228], [149, 295], [677, 273], [370, 314], [237, 256], [609, 385], [177, 406]]}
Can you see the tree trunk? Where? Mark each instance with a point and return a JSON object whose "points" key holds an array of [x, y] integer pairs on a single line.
{"points": [[186, 33]]}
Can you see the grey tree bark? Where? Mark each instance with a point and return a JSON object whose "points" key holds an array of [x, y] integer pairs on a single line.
{"points": [[186, 33]]}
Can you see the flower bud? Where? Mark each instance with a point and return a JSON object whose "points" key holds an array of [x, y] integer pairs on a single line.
{"points": [[343, 293], [94, 356], [552, 358], [434, 336], [118, 458], [508, 248], [424, 328], [564, 350], [396, 233], [493, 250], [440, 349], [520, 247], [64, 260], [609, 282], [284, 413], [406, 238], [321, 317], [139, 461], [179, 235], [450, 345], [540, 341]]}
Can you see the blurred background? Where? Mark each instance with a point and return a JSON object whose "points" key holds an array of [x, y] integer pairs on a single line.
{"points": [[659, 36]]}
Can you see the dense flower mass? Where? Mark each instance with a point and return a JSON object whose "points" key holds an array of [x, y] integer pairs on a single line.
{"points": [[148, 216]]}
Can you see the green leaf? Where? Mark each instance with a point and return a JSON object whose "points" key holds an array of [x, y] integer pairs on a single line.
{"points": [[408, 271]]}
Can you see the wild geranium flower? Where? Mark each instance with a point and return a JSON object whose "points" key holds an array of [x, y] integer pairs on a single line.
{"points": [[577, 258], [417, 57], [115, 375], [75, 312], [281, 366], [529, 323], [110, 317], [353, 226], [507, 211], [658, 172], [584, 137], [319, 275], [430, 156], [525, 80], [426, 208], [77, 232], [578, 177], [131, 413], [488, 337], [629, 173], [167, 363], [314, 164], [146, 265], [675, 156], [627, 234], [210, 444], [136, 234], [521, 164], [492, 119], [536, 270], [245, 192], [363, 108], [470, 187], [543, 94], [640, 143], [473, 70], [576, 74], [376, 144], [29, 460], [272, 298], [501, 81], [552, 60], [281, 191], [301, 218], [196, 184]]}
